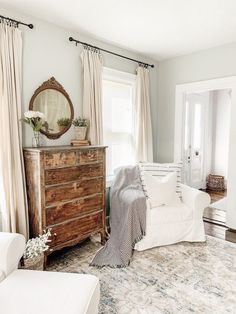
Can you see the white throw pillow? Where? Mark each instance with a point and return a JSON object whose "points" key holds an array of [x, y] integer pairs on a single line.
{"points": [[161, 170], [160, 191]]}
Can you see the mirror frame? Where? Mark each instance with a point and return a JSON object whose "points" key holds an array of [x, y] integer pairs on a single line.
{"points": [[52, 83]]}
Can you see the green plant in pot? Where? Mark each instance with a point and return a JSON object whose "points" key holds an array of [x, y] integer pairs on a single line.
{"points": [[81, 126], [63, 123]]}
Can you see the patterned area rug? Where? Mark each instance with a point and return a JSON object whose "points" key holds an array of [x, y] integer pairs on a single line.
{"points": [[180, 278]]}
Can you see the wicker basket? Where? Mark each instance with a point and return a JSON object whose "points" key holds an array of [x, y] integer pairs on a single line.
{"points": [[35, 263], [215, 183]]}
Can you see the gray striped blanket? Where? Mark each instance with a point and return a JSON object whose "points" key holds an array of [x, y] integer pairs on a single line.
{"points": [[127, 219]]}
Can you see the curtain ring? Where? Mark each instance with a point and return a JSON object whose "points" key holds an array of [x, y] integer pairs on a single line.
{"points": [[8, 22]]}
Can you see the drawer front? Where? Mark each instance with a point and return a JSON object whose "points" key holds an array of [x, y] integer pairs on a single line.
{"points": [[60, 213], [60, 159], [72, 230], [70, 191], [54, 176], [90, 155]]}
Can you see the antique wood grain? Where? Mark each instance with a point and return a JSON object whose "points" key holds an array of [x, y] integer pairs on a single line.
{"points": [[104, 233], [55, 176], [70, 230], [33, 184], [91, 155], [66, 191], [75, 208], [57, 159]]}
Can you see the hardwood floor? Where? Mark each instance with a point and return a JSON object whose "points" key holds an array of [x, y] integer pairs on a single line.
{"points": [[215, 230], [216, 195], [230, 235], [215, 218]]}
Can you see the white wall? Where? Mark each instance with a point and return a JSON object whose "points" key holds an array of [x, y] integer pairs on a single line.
{"points": [[209, 64], [47, 52], [221, 101]]}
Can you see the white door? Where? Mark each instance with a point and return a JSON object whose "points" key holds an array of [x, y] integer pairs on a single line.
{"points": [[196, 139]]}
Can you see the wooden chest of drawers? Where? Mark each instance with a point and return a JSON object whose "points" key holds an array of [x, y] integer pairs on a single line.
{"points": [[66, 192]]}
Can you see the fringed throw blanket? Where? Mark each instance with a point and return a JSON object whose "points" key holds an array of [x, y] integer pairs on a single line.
{"points": [[127, 219]]}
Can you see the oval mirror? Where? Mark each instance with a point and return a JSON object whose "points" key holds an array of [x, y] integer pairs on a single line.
{"points": [[53, 101]]}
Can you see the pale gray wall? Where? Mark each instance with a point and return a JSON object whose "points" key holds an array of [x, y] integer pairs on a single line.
{"points": [[47, 52], [209, 64]]}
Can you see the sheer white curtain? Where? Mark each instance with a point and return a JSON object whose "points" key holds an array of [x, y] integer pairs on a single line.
{"points": [[144, 145], [13, 204], [92, 93]]}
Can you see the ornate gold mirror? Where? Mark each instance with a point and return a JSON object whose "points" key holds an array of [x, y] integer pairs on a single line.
{"points": [[53, 101]]}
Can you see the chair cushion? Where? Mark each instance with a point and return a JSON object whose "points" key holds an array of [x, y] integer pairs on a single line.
{"points": [[168, 214], [160, 191], [49, 292]]}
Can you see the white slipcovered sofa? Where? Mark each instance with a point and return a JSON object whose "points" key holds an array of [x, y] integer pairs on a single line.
{"points": [[180, 220], [37, 292]]}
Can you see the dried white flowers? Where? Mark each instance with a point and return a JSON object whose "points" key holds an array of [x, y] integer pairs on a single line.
{"points": [[36, 246]]}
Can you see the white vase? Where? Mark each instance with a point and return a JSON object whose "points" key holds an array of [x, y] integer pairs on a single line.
{"points": [[80, 132], [36, 139]]}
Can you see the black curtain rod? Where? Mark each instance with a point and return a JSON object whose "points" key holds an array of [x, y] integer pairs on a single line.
{"points": [[113, 53], [17, 22]]}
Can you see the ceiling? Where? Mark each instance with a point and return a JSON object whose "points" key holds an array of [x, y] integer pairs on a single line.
{"points": [[160, 29]]}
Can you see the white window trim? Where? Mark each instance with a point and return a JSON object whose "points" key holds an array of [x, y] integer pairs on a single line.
{"points": [[122, 77]]}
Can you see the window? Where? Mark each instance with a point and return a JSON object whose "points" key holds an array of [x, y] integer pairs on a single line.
{"points": [[118, 118]]}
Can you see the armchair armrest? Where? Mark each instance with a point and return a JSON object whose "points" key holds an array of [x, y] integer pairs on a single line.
{"points": [[12, 246], [195, 199]]}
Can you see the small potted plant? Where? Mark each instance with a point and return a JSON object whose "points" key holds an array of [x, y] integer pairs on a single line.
{"points": [[36, 120], [63, 123], [33, 257], [81, 126]]}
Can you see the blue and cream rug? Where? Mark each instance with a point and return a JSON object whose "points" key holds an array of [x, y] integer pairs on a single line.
{"points": [[180, 278]]}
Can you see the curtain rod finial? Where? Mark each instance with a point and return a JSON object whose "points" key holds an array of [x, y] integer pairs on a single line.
{"points": [[31, 26], [70, 38]]}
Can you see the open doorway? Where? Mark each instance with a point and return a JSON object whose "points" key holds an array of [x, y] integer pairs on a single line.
{"points": [[206, 147], [182, 90]]}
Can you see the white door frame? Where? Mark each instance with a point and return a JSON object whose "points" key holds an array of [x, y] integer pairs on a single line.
{"points": [[203, 86], [206, 141]]}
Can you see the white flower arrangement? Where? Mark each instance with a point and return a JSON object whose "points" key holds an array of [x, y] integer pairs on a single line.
{"points": [[34, 114], [35, 119], [36, 246]]}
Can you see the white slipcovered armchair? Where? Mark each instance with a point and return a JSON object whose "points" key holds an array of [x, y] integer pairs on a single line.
{"points": [[180, 221], [37, 292]]}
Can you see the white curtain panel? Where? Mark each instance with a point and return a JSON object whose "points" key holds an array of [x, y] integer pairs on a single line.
{"points": [[144, 145], [13, 204], [92, 93]]}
